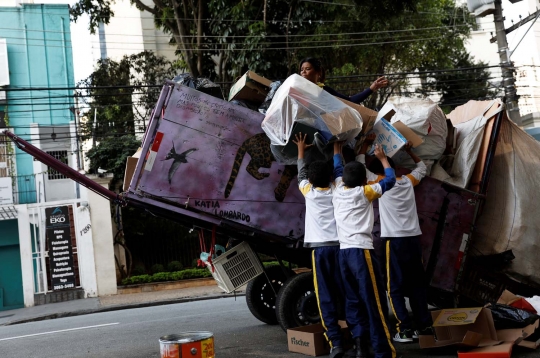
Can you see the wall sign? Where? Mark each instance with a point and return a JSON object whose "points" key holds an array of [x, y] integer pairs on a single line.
{"points": [[60, 248], [6, 191]]}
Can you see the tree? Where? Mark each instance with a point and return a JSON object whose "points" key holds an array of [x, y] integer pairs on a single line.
{"points": [[469, 80], [121, 95]]}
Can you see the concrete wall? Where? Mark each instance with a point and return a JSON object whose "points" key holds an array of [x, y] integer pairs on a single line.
{"points": [[102, 238]]}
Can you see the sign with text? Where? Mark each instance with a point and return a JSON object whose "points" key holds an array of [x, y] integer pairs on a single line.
{"points": [[6, 191], [60, 248]]}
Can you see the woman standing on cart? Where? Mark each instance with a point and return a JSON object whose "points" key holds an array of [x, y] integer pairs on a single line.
{"points": [[312, 69]]}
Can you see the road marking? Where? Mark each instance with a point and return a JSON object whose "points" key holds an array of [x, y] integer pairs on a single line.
{"points": [[63, 330]]}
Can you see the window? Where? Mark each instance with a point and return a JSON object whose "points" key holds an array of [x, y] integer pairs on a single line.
{"points": [[60, 155]]}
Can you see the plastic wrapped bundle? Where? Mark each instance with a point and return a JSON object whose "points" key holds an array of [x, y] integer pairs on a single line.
{"points": [[270, 96], [427, 120], [300, 101], [200, 84]]}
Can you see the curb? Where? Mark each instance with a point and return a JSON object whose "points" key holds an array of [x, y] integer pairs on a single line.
{"points": [[120, 307]]}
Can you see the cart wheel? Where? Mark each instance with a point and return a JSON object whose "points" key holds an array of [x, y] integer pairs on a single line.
{"points": [[296, 303], [260, 297]]}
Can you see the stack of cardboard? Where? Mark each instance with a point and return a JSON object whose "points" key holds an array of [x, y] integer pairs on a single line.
{"points": [[472, 331]]}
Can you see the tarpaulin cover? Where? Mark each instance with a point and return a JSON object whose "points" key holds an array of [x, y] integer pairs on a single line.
{"points": [[507, 317], [427, 120], [509, 220], [469, 122], [299, 100]]}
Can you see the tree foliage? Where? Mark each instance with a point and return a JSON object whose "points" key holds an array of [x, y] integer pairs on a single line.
{"points": [[221, 39], [120, 95]]}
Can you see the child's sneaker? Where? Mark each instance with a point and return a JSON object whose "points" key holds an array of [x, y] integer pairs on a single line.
{"points": [[427, 331], [336, 352], [405, 336]]}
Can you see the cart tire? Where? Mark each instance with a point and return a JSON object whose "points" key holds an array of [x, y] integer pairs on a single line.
{"points": [[261, 299], [296, 303]]}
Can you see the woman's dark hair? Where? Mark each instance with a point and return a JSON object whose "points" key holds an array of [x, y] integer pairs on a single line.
{"points": [[317, 65]]}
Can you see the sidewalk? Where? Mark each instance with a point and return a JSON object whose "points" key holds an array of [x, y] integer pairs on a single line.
{"points": [[113, 303]]}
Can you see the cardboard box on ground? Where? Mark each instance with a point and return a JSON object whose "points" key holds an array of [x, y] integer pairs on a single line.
{"points": [[310, 340], [472, 330], [250, 87]]}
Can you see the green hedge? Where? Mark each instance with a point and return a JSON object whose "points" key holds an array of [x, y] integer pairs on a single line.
{"points": [[180, 275], [168, 276]]}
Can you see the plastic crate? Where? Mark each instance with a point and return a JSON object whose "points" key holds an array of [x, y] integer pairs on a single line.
{"points": [[236, 267], [480, 284]]}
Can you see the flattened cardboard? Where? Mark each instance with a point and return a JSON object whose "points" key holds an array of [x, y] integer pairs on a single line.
{"points": [[480, 333], [368, 116], [250, 87], [503, 350], [131, 164], [518, 335]]}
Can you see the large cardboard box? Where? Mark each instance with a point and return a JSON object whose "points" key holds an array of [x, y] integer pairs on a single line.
{"points": [[467, 327], [131, 163], [310, 340], [250, 87]]}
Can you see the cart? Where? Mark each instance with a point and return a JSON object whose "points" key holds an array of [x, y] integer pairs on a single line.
{"points": [[207, 164]]}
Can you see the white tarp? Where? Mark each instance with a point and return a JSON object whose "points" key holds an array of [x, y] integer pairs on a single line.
{"points": [[469, 122], [510, 217], [299, 100], [427, 120]]}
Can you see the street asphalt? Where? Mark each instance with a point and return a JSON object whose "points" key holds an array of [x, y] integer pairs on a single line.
{"points": [[135, 333]]}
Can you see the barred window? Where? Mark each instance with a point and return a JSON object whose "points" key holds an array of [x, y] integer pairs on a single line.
{"points": [[60, 155]]}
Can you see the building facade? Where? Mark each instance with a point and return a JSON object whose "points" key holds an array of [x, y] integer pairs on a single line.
{"points": [[50, 249]]}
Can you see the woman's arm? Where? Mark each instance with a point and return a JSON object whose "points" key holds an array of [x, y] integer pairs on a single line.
{"points": [[357, 98]]}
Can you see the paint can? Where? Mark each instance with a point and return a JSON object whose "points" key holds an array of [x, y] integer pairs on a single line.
{"points": [[187, 345]]}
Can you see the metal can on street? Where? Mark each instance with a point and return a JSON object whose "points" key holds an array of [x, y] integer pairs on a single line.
{"points": [[199, 344]]}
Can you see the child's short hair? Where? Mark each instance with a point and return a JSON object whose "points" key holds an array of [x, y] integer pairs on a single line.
{"points": [[354, 174], [376, 166], [320, 173]]}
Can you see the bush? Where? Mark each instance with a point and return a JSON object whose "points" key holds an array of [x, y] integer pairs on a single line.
{"points": [[157, 268], [138, 270], [174, 266], [167, 276]]}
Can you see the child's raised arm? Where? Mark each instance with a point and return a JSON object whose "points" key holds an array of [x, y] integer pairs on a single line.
{"points": [[338, 160], [390, 177], [420, 171], [300, 141]]}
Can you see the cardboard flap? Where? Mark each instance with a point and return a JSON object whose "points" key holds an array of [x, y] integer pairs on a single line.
{"points": [[457, 316], [408, 133]]}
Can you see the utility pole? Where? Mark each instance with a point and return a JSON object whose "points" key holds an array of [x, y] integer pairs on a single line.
{"points": [[76, 112], [511, 97]]}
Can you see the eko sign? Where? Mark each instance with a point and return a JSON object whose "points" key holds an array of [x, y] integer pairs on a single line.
{"points": [[60, 248]]}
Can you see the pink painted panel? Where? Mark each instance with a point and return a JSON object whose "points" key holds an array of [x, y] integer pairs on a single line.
{"points": [[215, 154]]}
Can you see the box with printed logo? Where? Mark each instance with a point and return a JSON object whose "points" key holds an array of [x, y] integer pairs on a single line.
{"points": [[466, 327], [310, 340]]}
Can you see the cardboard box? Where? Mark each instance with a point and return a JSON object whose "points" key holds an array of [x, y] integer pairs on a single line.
{"points": [[467, 327], [518, 336], [131, 164], [250, 87], [368, 116], [310, 340], [387, 112], [388, 137]]}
